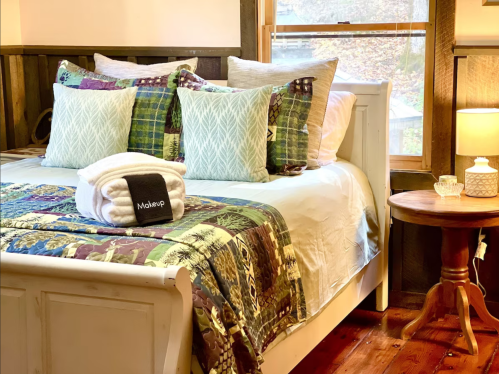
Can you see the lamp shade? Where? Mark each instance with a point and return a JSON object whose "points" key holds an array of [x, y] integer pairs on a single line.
{"points": [[477, 132]]}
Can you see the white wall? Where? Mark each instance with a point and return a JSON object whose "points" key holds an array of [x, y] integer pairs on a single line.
{"points": [[10, 22], [170, 23], [476, 24]]}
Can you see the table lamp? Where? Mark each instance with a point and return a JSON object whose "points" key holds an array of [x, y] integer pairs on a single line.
{"points": [[477, 134]]}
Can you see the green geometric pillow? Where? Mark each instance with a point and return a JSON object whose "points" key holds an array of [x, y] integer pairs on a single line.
{"points": [[287, 134], [153, 113], [88, 126], [225, 135]]}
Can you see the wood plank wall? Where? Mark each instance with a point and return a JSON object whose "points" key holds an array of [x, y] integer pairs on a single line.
{"points": [[28, 72]]}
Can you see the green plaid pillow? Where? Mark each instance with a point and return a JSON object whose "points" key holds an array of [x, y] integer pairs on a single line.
{"points": [[152, 112], [287, 134]]}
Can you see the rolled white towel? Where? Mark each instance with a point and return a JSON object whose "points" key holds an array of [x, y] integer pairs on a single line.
{"points": [[102, 185]]}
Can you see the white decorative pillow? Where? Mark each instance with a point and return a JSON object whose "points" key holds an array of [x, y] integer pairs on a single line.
{"points": [[129, 70], [225, 135], [338, 114], [88, 125], [252, 74]]}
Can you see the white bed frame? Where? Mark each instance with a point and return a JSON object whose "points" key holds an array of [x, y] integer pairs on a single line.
{"points": [[61, 316]]}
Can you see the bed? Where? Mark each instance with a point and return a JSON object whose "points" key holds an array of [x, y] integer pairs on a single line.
{"points": [[337, 220]]}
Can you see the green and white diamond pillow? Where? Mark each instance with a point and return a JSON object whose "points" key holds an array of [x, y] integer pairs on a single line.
{"points": [[88, 125], [225, 136]]}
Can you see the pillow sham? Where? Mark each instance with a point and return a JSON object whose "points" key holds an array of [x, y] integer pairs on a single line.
{"points": [[88, 126], [287, 135], [225, 135], [338, 114], [130, 70], [251, 74], [153, 109]]}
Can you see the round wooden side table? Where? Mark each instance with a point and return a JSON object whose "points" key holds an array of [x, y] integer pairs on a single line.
{"points": [[457, 218]]}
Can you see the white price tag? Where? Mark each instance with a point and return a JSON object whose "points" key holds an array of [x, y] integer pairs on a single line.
{"points": [[480, 252]]}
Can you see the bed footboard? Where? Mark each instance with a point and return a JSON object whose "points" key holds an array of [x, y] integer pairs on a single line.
{"points": [[64, 316]]}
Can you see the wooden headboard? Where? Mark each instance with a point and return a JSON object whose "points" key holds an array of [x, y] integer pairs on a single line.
{"points": [[28, 72]]}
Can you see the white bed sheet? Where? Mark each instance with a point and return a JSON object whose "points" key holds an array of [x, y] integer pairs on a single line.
{"points": [[330, 214]]}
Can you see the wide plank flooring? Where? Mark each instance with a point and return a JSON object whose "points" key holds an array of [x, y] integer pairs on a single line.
{"points": [[369, 342]]}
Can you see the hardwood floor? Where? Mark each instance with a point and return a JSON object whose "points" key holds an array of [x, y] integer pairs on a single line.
{"points": [[369, 343]]}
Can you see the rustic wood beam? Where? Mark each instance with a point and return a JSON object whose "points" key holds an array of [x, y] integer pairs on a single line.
{"points": [[249, 15], [443, 96]]}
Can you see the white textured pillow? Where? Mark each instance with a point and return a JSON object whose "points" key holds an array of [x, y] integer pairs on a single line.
{"points": [[338, 114], [88, 125], [129, 70], [252, 74]]}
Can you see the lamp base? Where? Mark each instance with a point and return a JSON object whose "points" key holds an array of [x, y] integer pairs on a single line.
{"points": [[481, 180]]}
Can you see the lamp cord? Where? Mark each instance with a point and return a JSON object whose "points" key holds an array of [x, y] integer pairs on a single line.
{"points": [[477, 266]]}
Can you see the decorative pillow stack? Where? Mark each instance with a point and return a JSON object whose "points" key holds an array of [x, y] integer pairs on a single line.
{"points": [[288, 109], [221, 133], [152, 112]]}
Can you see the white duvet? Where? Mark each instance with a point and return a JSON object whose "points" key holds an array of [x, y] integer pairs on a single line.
{"points": [[329, 212]]}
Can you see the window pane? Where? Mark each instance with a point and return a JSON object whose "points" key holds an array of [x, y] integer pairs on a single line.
{"points": [[307, 12], [372, 56]]}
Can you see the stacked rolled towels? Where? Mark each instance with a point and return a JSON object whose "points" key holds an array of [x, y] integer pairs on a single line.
{"points": [[103, 194]]}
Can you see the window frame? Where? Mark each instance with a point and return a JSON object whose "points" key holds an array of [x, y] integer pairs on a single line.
{"points": [[266, 28]]}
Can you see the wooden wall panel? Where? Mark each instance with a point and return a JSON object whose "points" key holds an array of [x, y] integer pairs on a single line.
{"points": [[210, 68], [421, 257], [46, 93], [482, 86], [83, 62], [32, 91], [17, 129], [3, 122]]}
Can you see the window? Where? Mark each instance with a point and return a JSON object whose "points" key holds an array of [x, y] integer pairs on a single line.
{"points": [[374, 40]]}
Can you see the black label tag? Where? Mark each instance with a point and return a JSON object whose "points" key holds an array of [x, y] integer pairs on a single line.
{"points": [[150, 199]]}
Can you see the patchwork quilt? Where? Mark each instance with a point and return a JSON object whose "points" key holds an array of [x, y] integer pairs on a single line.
{"points": [[246, 287]]}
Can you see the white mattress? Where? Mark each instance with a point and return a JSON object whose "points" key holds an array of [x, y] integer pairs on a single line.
{"points": [[330, 214]]}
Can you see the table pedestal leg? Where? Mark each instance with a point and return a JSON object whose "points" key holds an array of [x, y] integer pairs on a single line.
{"points": [[454, 289], [427, 313], [478, 303], [463, 308]]}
